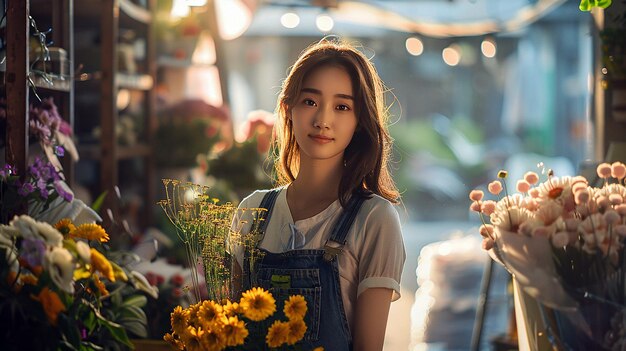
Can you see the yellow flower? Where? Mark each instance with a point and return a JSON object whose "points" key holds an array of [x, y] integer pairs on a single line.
{"points": [[318, 349], [174, 341], [193, 339], [231, 308], [194, 317], [102, 265], [65, 226], [257, 304], [209, 313], [212, 341], [100, 285], [297, 328], [90, 231], [234, 331], [295, 307], [179, 319], [51, 304], [277, 334]]}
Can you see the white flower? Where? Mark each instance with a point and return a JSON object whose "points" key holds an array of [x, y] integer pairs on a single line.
{"points": [[511, 219], [142, 284], [84, 251], [59, 263], [29, 228]]}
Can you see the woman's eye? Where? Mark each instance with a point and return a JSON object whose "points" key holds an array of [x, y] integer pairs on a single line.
{"points": [[309, 102], [343, 108]]}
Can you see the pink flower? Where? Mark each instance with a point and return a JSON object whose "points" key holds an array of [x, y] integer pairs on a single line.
{"points": [[571, 224], [486, 230], [475, 206], [534, 193], [618, 170], [620, 230], [488, 207], [541, 231], [604, 170], [476, 195], [531, 177], [495, 187], [611, 217], [581, 197], [616, 199], [523, 186], [621, 209], [603, 202], [487, 244]]}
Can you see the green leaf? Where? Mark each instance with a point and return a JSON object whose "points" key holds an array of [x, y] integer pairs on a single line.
{"points": [[96, 205], [86, 345], [69, 330], [134, 312], [118, 332], [136, 300], [137, 328]]}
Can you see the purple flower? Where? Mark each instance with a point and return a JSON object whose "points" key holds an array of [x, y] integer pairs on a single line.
{"points": [[59, 151], [64, 194], [25, 189], [41, 185], [33, 251]]}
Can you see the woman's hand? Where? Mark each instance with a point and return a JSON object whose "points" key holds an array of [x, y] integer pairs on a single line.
{"points": [[372, 311]]}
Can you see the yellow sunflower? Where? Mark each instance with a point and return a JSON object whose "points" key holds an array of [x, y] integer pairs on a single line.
{"points": [[209, 313], [179, 319], [277, 334], [102, 265], [175, 342], [318, 349], [295, 307], [65, 226], [234, 331], [51, 303], [90, 231], [297, 328], [194, 317], [257, 304]]}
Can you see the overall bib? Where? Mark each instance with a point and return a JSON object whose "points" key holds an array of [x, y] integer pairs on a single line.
{"points": [[313, 274]]}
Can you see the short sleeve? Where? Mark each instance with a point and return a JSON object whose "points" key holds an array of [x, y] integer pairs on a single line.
{"points": [[242, 222], [382, 255]]}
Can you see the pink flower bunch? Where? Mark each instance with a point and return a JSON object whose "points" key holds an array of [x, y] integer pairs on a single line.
{"points": [[568, 211]]}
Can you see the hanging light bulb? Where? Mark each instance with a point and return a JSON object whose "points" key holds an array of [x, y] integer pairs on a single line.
{"points": [[414, 46], [290, 20], [451, 55], [324, 22], [488, 47]]}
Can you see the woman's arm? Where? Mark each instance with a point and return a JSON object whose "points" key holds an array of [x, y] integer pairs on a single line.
{"points": [[370, 319]]}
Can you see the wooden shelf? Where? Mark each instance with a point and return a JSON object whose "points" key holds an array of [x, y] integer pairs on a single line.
{"points": [[134, 81], [52, 83]]}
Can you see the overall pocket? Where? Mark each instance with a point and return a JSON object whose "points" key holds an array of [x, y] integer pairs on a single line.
{"points": [[283, 283]]}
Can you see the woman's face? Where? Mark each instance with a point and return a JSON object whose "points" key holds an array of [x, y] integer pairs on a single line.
{"points": [[323, 117]]}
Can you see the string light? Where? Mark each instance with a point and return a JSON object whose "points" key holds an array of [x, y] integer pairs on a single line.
{"points": [[488, 48], [414, 46], [324, 23], [451, 55], [290, 20]]}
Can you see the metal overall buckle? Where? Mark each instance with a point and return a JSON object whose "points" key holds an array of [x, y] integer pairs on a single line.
{"points": [[331, 252]]}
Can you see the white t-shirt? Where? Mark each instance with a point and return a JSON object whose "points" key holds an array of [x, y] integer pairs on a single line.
{"points": [[372, 257]]}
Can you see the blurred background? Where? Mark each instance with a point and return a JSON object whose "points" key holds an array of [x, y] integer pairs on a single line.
{"points": [[186, 89]]}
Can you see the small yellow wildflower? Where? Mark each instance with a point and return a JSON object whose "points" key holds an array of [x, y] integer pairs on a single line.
{"points": [[257, 304], [51, 304], [179, 319], [174, 341], [90, 231], [209, 313], [65, 226], [234, 331], [277, 334], [295, 307], [102, 265], [297, 328]]}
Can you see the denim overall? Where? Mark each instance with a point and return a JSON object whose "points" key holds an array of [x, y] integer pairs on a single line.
{"points": [[313, 274]]}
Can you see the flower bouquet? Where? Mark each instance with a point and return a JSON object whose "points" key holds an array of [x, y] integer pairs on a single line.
{"points": [[563, 241], [58, 291]]}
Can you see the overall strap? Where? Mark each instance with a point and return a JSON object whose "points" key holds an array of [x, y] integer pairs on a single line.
{"points": [[267, 203], [340, 231]]}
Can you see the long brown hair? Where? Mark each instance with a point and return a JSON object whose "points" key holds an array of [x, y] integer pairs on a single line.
{"points": [[368, 153]]}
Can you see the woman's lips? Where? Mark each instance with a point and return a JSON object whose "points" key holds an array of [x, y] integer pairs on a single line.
{"points": [[322, 139]]}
